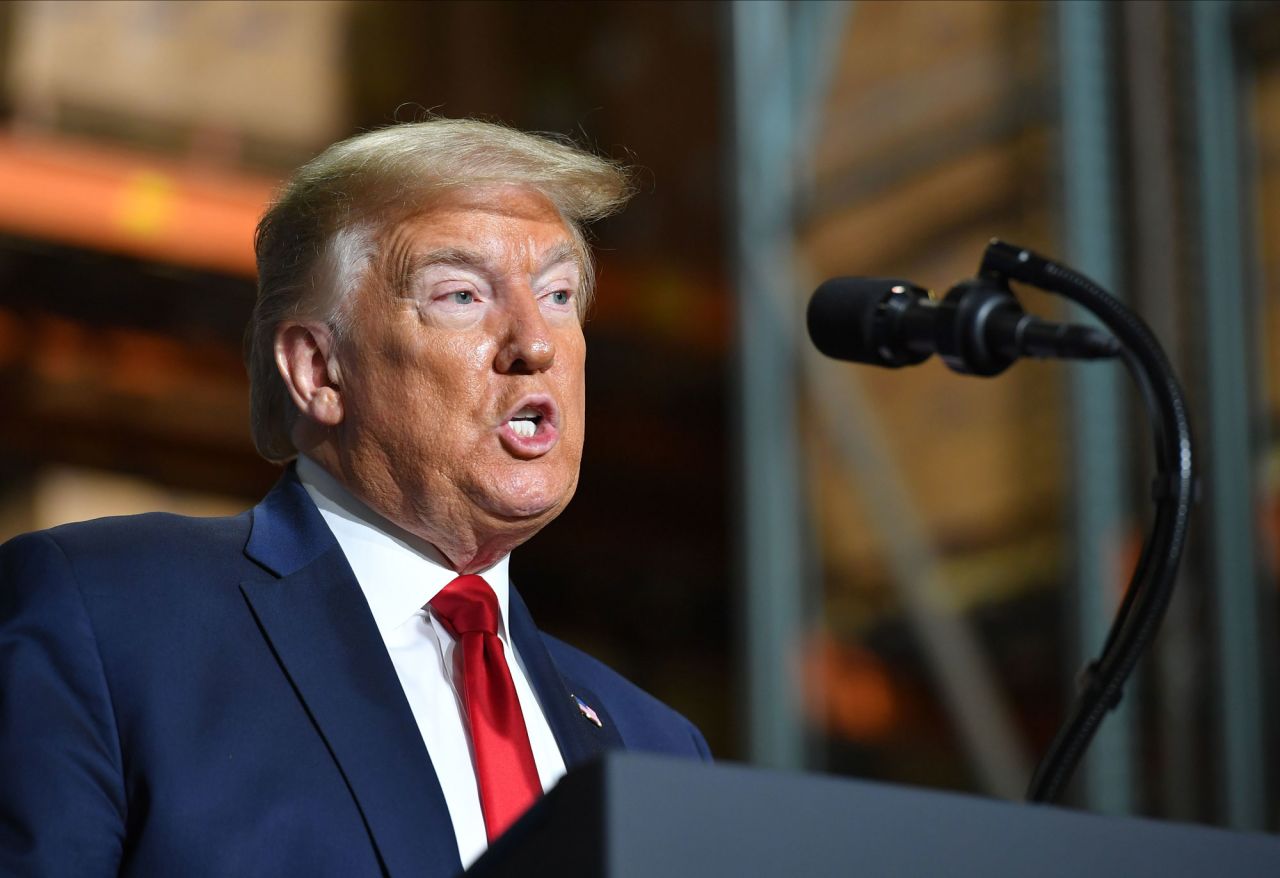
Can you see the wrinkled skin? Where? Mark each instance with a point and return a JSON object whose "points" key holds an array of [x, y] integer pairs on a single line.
{"points": [[409, 409]]}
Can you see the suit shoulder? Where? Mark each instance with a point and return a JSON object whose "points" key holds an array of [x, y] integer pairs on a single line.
{"points": [[133, 543], [645, 722], [153, 527]]}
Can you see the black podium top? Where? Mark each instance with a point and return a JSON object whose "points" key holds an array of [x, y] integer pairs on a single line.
{"points": [[638, 816]]}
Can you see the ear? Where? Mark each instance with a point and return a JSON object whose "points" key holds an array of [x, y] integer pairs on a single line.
{"points": [[307, 359]]}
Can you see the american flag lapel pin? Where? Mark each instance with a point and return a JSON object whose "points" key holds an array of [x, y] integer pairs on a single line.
{"points": [[587, 711]]}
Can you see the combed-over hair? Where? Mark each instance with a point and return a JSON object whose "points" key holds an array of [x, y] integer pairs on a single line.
{"points": [[316, 243]]}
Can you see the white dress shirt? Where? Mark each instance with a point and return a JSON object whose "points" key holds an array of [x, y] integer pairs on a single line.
{"points": [[399, 575]]}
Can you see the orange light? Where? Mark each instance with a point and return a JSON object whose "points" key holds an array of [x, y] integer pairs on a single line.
{"points": [[847, 689], [101, 198]]}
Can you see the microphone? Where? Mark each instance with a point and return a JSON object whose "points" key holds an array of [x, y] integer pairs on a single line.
{"points": [[979, 328]]}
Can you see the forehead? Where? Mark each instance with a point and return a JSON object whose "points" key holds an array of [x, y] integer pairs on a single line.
{"points": [[501, 223]]}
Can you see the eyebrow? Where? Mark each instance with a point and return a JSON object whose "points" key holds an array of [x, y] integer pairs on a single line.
{"points": [[460, 256], [563, 252], [445, 256]]}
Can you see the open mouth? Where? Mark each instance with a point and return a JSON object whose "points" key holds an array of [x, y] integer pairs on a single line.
{"points": [[531, 430]]}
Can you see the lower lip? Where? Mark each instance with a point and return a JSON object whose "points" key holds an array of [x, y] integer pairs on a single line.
{"points": [[542, 441]]}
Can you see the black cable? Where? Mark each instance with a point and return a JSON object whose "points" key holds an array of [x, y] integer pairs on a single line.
{"points": [[1151, 586], [1140, 576]]}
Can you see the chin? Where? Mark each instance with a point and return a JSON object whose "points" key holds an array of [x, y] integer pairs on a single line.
{"points": [[530, 500], [528, 508]]}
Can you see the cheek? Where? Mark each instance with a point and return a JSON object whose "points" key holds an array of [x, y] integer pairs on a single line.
{"points": [[579, 396], [572, 356], [441, 375], [471, 353]]}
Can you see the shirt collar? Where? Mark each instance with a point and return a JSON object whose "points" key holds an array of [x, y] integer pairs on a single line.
{"points": [[398, 572]]}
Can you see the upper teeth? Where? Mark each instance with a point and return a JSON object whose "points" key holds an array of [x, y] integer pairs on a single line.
{"points": [[523, 424]]}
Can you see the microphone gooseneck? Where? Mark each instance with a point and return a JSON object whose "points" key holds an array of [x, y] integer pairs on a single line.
{"points": [[980, 329]]}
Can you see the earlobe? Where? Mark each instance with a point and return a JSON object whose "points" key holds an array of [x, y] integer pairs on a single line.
{"points": [[308, 364]]}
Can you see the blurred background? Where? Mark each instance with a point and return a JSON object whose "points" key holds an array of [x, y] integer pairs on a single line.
{"points": [[888, 575]]}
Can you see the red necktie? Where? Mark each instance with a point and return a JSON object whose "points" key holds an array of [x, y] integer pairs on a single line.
{"points": [[505, 770]]}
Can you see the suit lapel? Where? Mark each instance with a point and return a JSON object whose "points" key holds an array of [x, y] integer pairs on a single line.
{"points": [[322, 632], [579, 739]]}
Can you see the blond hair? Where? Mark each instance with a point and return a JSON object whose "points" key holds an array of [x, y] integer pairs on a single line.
{"points": [[316, 243]]}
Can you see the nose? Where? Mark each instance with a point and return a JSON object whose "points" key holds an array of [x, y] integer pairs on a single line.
{"points": [[528, 346]]}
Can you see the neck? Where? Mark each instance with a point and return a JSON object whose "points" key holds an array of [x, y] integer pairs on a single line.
{"points": [[463, 548]]}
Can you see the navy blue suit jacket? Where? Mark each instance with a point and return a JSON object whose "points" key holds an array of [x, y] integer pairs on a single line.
{"points": [[198, 697]]}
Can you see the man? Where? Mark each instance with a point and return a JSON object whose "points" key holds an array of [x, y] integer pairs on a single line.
{"points": [[340, 681]]}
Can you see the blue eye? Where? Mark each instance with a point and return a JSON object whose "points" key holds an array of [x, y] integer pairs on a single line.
{"points": [[560, 297], [463, 297]]}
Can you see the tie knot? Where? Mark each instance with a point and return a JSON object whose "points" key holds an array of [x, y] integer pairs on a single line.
{"points": [[467, 605]]}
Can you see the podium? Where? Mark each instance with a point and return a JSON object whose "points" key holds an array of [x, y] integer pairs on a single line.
{"points": [[633, 815]]}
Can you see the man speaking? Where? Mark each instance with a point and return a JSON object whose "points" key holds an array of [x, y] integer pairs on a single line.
{"points": [[340, 681]]}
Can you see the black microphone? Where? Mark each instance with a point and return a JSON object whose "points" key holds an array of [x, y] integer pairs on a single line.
{"points": [[979, 328]]}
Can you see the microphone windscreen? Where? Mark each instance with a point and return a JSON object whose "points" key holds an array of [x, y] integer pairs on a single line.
{"points": [[842, 317]]}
